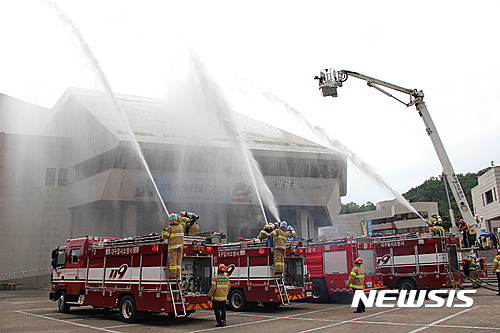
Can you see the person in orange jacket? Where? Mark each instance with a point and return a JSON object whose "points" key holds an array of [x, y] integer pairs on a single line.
{"points": [[219, 290], [356, 281], [464, 230]]}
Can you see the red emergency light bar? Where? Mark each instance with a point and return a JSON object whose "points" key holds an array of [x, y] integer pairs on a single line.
{"points": [[198, 248]]}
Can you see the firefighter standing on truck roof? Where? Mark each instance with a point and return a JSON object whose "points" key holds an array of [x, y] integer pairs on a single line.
{"points": [[356, 282], [280, 235], [436, 225], [496, 269], [219, 290], [175, 235], [190, 220]]}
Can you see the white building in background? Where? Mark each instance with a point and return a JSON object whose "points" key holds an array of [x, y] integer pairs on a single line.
{"points": [[72, 171], [486, 201], [388, 218]]}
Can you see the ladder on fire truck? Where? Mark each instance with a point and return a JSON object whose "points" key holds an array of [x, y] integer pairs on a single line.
{"points": [[174, 288], [447, 268], [280, 284]]}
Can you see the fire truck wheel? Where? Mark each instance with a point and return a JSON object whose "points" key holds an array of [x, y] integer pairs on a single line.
{"points": [[320, 291], [237, 301], [406, 284], [62, 302], [128, 311]]}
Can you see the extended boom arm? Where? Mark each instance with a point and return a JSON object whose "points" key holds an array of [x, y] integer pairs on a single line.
{"points": [[330, 80]]}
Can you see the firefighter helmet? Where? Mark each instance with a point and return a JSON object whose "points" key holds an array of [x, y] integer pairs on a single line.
{"points": [[222, 268], [358, 261], [461, 221], [283, 224], [173, 216]]}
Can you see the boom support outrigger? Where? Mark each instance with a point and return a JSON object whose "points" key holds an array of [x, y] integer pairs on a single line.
{"points": [[330, 80]]}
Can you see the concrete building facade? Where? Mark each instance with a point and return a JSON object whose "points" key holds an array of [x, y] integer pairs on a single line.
{"points": [[486, 201], [389, 217], [78, 171]]}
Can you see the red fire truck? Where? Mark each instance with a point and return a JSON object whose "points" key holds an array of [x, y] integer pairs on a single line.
{"points": [[330, 262], [131, 275], [419, 261], [253, 281]]}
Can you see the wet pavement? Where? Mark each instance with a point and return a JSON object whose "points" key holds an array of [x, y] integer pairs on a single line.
{"points": [[32, 311]]}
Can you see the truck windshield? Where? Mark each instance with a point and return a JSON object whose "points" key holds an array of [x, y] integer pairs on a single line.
{"points": [[61, 255]]}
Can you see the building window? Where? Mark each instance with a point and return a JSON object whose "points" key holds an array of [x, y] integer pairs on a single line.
{"points": [[50, 176], [488, 195], [63, 177]]}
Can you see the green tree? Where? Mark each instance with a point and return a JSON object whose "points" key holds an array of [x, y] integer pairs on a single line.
{"points": [[433, 190], [352, 207]]}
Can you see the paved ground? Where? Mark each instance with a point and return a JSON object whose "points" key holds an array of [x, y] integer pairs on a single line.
{"points": [[31, 311]]}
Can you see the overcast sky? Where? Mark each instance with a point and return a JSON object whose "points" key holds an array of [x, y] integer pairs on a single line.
{"points": [[448, 49]]}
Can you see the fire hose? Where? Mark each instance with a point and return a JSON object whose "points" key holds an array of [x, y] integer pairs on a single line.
{"points": [[481, 282]]}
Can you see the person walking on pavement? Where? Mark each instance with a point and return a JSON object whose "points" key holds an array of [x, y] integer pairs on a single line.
{"points": [[175, 235], [356, 282], [496, 269], [219, 290]]}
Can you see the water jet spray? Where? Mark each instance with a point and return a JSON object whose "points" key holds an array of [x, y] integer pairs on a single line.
{"points": [[107, 86]]}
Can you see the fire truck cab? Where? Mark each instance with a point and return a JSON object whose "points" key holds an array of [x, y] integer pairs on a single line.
{"points": [[130, 275], [251, 272], [330, 262], [419, 261]]}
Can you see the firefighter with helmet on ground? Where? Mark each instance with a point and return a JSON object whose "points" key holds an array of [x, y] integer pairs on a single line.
{"points": [[280, 235], [175, 235], [356, 281], [218, 291], [496, 269], [473, 269]]}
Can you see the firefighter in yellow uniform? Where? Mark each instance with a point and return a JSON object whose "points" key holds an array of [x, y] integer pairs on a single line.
{"points": [[280, 235], [496, 269], [356, 281], [182, 222], [219, 290], [175, 235], [436, 225], [266, 231], [473, 273], [189, 222]]}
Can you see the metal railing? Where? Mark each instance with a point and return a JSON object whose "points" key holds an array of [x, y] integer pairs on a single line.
{"points": [[24, 274]]}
